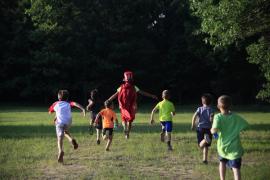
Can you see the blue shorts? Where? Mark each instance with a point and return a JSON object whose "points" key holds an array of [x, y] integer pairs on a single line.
{"points": [[200, 134], [166, 126], [236, 163]]}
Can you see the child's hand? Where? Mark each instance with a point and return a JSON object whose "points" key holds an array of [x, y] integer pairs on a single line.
{"points": [[192, 127], [152, 121]]}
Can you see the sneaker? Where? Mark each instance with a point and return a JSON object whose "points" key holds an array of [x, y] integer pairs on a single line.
{"points": [[205, 162], [75, 144], [98, 142], [170, 148], [127, 136], [61, 157], [162, 137], [207, 138]]}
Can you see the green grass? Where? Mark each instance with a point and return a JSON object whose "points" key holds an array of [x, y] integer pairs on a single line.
{"points": [[28, 149]]}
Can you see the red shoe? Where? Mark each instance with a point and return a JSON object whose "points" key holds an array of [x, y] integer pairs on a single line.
{"points": [[75, 144]]}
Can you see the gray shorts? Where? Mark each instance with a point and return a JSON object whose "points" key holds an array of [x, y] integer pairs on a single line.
{"points": [[61, 128]]}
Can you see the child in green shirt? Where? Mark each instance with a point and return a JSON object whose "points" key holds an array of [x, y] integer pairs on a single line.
{"points": [[166, 111], [228, 126]]}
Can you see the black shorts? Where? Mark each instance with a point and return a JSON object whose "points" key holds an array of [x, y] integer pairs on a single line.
{"points": [[107, 129], [200, 134]]}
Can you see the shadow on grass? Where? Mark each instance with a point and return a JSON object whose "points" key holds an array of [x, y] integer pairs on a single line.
{"points": [[28, 131]]}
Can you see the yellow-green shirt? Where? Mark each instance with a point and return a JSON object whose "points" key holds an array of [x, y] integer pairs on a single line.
{"points": [[165, 108]]}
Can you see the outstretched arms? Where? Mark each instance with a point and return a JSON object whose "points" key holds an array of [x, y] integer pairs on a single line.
{"points": [[79, 106], [113, 96], [152, 115], [147, 94]]}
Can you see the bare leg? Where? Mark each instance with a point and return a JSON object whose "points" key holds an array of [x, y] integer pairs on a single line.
{"points": [[124, 124], [236, 174], [205, 153], [202, 143], [222, 170], [60, 148], [109, 142], [60, 143], [98, 134], [68, 136], [71, 140], [129, 126], [168, 135]]}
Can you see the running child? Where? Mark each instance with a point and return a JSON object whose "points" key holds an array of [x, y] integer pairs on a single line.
{"points": [[109, 121], [94, 106], [127, 99], [166, 112], [205, 115], [228, 125], [63, 120]]}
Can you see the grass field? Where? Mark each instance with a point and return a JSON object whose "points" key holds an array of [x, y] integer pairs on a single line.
{"points": [[28, 149]]}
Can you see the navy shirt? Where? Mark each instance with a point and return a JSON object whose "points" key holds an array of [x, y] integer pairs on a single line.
{"points": [[204, 113]]}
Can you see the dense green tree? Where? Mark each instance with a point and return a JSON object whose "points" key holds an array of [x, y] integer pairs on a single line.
{"points": [[80, 45], [239, 22]]}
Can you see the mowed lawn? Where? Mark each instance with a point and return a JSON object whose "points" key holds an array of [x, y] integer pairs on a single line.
{"points": [[28, 149]]}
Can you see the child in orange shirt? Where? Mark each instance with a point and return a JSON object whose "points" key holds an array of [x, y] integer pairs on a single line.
{"points": [[109, 119]]}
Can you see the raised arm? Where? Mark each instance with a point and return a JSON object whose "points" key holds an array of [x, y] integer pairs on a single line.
{"points": [[152, 115], [113, 97], [147, 94], [79, 106], [90, 104]]}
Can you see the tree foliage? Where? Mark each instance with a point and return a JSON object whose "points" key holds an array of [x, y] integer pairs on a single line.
{"points": [[238, 22], [80, 45]]}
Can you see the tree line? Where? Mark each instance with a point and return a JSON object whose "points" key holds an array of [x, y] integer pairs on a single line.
{"points": [[186, 46]]}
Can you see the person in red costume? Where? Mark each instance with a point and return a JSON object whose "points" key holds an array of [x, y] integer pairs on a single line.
{"points": [[127, 99]]}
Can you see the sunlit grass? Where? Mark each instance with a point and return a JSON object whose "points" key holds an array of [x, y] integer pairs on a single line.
{"points": [[29, 151]]}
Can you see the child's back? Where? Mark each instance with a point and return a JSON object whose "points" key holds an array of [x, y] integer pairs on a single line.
{"points": [[229, 125], [204, 114]]}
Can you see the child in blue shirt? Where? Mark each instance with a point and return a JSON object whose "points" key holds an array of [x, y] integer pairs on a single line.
{"points": [[205, 115]]}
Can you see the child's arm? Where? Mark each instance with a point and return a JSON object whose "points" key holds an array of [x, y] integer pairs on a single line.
{"points": [[214, 130], [147, 94], [90, 104], [212, 117], [152, 115], [79, 106], [97, 118], [113, 97], [195, 116]]}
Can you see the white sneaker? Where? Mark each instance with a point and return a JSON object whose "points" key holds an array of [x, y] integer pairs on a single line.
{"points": [[207, 138]]}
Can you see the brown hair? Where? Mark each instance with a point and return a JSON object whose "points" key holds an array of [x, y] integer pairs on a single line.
{"points": [[206, 99], [63, 95], [108, 103], [225, 101]]}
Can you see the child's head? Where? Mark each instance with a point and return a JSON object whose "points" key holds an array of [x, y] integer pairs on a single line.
{"points": [[128, 76], [224, 102], [206, 99], [94, 94], [166, 94], [63, 95], [108, 104]]}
